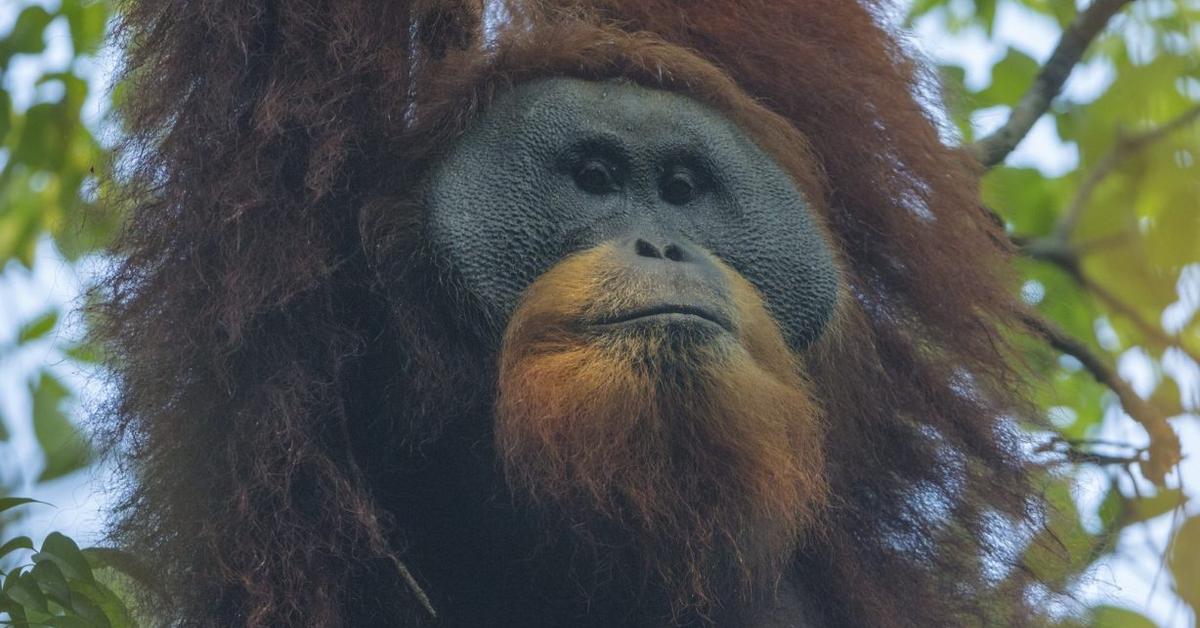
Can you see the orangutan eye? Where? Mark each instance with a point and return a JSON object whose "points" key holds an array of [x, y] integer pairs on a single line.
{"points": [[679, 187], [595, 176]]}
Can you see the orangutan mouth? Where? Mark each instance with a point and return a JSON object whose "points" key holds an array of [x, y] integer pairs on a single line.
{"points": [[669, 313]]}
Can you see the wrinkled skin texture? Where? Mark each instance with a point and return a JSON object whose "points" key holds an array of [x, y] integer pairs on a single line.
{"points": [[378, 364], [504, 205]]}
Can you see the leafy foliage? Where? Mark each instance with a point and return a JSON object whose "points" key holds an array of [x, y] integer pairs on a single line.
{"points": [[49, 154], [61, 585], [48, 159], [1109, 247]]}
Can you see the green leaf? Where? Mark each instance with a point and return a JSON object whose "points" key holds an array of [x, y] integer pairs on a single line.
{"points": [[52, 582], [98, 604], [1184, 565], [1011, 78], [75, 89], [16, 611], [959, 102], [1075, 310], [121, 561], [1026, 198], [84, 353], [26, 36], [1064, 548], [920, 7], [5, 114], [1116, 617], [1146, 508], [10, 580], [120, 564], [44, 137], [25, 592], [985, 10], [87, 20], [68, 622], [38, 327], [1167, 397], [1112, 508], [14, 544], [8, 503], [21, 219], [1118, 512], [83, 606], [63, 551], [66, 450], [1063, 10]]}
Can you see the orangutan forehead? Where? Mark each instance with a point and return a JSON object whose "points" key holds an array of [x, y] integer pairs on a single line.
{"points": [[572, 106]]}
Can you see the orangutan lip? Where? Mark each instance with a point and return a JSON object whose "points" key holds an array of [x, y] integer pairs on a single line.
{"points": [[668, 311]]}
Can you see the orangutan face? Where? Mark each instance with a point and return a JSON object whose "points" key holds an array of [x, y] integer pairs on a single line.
{"points": [[657, 271]]}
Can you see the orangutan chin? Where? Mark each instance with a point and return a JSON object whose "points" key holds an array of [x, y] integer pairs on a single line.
{"points": [[658, 402]]}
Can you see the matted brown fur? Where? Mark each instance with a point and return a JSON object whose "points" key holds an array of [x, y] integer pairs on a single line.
{"points": [[280, 337], [704, 455]]}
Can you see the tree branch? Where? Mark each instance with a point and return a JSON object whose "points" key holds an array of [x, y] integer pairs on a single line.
{"points": [[992, 150], [1164, 451], [1149, 329], [1056, 249], [1075, 451], [1057, 252]]}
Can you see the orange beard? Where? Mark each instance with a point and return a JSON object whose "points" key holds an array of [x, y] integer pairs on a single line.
{"points": [[690, 459]]}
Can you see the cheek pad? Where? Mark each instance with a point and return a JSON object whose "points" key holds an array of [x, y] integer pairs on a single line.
{"points": [[491, 219], [775, 244], [499, 212]]}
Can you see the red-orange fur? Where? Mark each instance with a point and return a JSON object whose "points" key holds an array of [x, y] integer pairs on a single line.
{"points": [[708, 455], [280, 338]]}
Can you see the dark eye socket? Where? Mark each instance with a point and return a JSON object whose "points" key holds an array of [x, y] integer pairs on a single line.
{"points": [[595, 176], [679, 187]]}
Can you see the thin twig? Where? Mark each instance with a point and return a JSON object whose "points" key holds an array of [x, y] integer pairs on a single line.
{"points": [[1057, 249], [1075, 39], [1126, 147], [1075, 456], [1164, 450], [1126, 311], [1099, 243], [1075, 451], [1053, 250], [1098, 442]]}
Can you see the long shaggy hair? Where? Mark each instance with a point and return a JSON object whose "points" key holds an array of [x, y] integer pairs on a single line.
{"points": [[281, 338], [705, 453]]}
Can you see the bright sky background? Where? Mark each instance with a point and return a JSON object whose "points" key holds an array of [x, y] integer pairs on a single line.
{"points": [[1134, 579]]}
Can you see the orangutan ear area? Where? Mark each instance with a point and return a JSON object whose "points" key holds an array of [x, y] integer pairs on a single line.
{"points": [[599, 313]]}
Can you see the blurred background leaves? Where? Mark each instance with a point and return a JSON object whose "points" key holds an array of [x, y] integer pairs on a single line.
{"points": [[1102, 198], [1109, 233], [49, 155]]}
